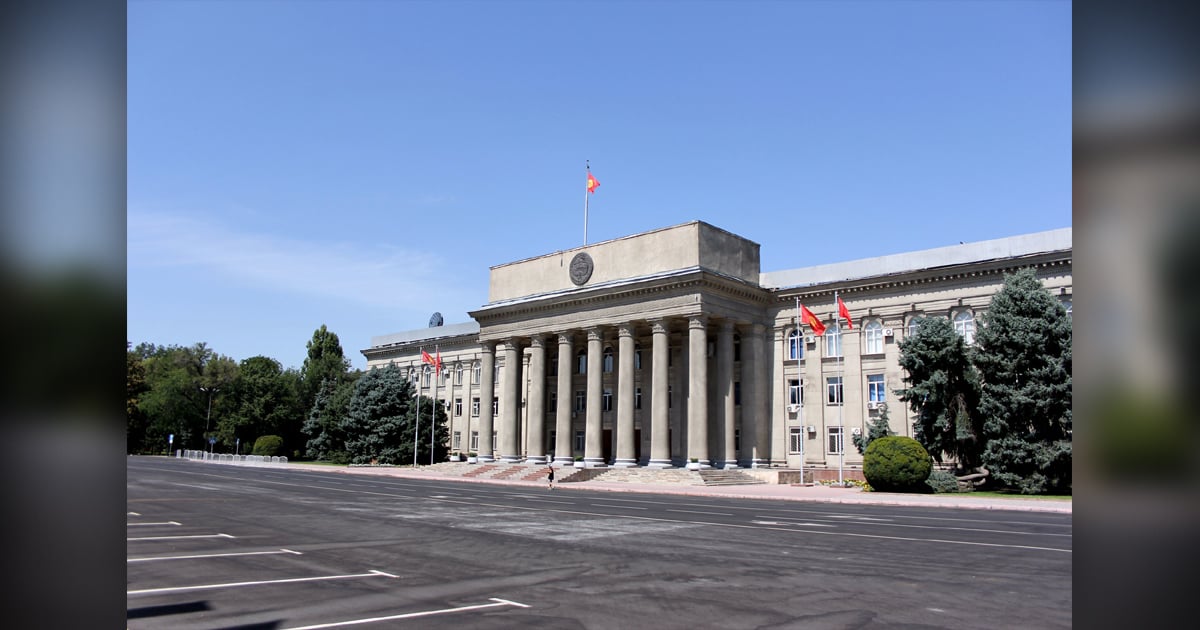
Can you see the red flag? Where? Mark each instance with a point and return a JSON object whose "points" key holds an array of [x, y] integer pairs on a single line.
{"points": [[437, 362], [592, 183], [426, 358], [807, 317], [845, 313]]}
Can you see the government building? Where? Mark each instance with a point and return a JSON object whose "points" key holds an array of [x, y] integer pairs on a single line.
{"points": [[671, 348]]}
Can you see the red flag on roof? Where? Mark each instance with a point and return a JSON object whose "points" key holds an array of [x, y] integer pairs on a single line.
{"points": [[807, 317], [845, 313]]}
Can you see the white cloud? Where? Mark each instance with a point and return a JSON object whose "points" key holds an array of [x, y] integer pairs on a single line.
{"points": [[370, 274]]}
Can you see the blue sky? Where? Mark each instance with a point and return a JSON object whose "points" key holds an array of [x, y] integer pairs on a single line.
{"points": [[362, 164]]}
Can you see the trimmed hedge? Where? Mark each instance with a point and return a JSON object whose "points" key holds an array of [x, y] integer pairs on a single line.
{"points": [[897, 464], [268, 445]]}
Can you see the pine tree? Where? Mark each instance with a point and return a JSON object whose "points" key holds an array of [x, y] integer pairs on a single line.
{"points": [[381, 418], [1024, 361], [879, 427]]}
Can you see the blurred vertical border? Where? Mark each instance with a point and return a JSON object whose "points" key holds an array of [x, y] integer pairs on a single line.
{"points": [[1136, 312], [62, 312]]}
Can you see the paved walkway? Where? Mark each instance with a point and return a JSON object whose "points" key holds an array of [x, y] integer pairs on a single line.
{"points": [[818, 494]]}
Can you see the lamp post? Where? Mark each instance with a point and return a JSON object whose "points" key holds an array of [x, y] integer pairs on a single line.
{"points": [[208, 416]]}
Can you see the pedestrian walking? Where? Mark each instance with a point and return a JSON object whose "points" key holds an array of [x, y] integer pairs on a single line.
{"points": [[550, 477]]}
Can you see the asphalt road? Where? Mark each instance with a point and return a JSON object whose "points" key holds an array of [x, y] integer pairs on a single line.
{"points": [[243, 547]]}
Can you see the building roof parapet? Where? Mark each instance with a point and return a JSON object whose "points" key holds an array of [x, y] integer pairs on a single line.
{"points": [[432, 333]]}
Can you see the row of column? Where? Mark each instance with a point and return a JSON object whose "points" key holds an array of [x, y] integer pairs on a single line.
{"points": [[755, 392]]}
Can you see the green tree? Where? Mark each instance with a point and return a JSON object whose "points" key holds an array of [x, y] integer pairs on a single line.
{"points": [[184, 385], [1024, 362], [135, 420], [879, 427], [943, 391], [324, 361], [382, 415], [264, 401], [326, 441]]}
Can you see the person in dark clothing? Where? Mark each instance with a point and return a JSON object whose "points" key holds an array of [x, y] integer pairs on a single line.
{"points": [[550, 477]]}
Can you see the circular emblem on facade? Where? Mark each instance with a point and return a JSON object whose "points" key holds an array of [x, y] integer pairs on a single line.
{"points": [[435, 319], [581, 268]]}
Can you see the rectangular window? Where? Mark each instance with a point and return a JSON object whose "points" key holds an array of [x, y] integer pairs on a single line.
{"points": [[457, 407], [737, 349], [834, 390], [425, 378], [475, 373], [795, 346], [457, 441], [795, 396], [876, 392], [495, 406], [835, 440], [670, 397], [737, 393], [580, 400], [553, 402], [474, 441], [474, 407], [833, 341], [737, 439], [637, 398], [579, 440], [796, 440], [494, 442], [607, 398], [873, 337], [637, 359]]}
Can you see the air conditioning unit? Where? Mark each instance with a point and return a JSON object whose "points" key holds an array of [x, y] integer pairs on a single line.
{"points": [[793, 408], [811, 428], [856, 431], [888, 332], [872, 405], [810, 339]]}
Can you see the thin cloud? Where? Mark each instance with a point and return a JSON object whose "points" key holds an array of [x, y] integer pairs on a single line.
{"points": [[370, 274]]}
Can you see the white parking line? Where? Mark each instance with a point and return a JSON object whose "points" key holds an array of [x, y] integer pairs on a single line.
{"points": [[149, 524], [216, 555], [426, 613], [623, 507], [180, 537], [551, 501], [203, 587], [701, 512], [132, 514]]}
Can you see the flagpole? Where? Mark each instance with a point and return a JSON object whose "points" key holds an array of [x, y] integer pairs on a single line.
{"points": [[800, 386], [417, 424], [585, 202], [841, 392], [437, 368]]}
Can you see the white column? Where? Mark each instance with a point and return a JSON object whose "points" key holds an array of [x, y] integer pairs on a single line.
{"points": [[697, 402], [537, 401], [727, 407], [762, 431], [660, 445], [487, 394], [510, 403], [626, 454], [562, 411], [593, 446]]}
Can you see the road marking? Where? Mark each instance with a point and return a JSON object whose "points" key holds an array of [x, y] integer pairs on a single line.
{"points": [[132, 514], [888, 523], [701, 512], [425, 613], [860, 518], [149, 524], [623, 507], [551, 501], [216, 555], [181, 537], [794, 524], [204, 587]]}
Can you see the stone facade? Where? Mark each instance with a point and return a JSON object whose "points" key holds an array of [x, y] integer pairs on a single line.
{"points": [[670, 348]]}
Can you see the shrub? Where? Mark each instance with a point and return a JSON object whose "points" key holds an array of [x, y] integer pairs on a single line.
{"points": [[268, 445], [897, 464], [942, 481]]}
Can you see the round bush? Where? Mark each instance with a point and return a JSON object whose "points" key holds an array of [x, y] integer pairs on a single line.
{"points": [[897, 464], [942, 481], [268, 445]]}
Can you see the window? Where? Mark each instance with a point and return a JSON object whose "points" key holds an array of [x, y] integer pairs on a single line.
{"points": [[795, 396], [737, 348], [553, 368], [458, 370], [737, 393], [1067, 305], [670, 397], [581, 361], [477, 370], [737, 439], [474, 441], [796, 440], [833, 341], [637, 357], [495, 406], [914, 325], [580, 400], [873, 337], [425, 376], [964, 324], [608, 360], [457, 441], [494, 434], [637, 398], [833, 388], [496, 373], [474, 407], [579, 440], [457, 407], [553, 401], [876, 392], [607, 398], [795, 345], [835, 440]]}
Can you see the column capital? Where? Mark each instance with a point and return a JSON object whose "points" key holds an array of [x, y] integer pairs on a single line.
{"points": [[487, 347], [659, 326], [537, 341], [565, 337], [509, 344], [697, 321], [625, 330], [726, 325], [595, 333]]}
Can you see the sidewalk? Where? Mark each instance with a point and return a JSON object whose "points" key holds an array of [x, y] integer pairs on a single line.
{"points": [[783, 492]]}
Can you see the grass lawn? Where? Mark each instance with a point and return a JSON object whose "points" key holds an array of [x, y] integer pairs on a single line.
{"points": [[1014, 495]]}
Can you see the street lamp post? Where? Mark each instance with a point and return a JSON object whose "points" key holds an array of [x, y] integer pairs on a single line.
{"points": [[208, 416]]}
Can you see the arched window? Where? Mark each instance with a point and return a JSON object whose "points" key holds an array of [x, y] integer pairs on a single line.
{"points": [[477, 370], [795, 346], [873, 337], [914, 325], [964, 324], [425, 376], [458, 370], [581, 360], [637, 357], [608, 360], [833, 341]]}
